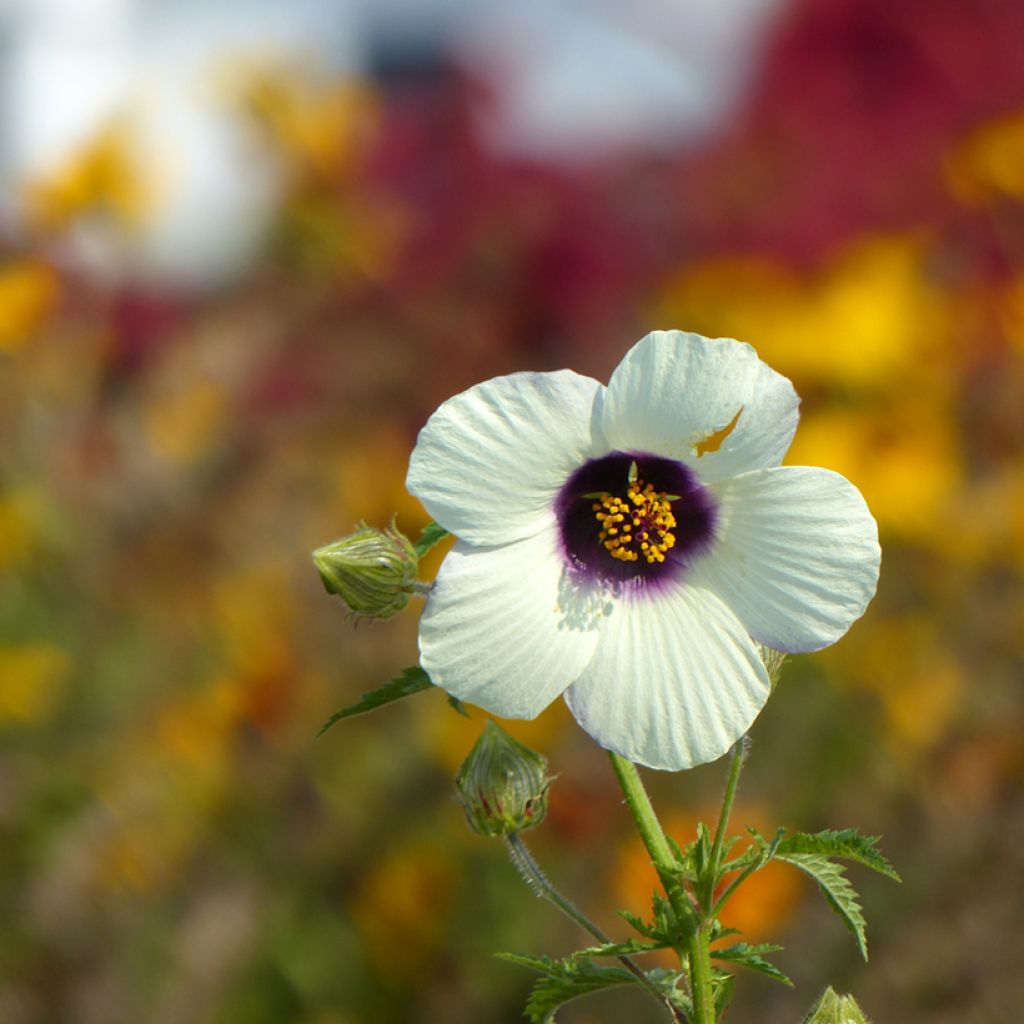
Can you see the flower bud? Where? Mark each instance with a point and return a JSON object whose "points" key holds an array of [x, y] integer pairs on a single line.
{"points": [[832, 1008], [503, 784], [372, 571]]}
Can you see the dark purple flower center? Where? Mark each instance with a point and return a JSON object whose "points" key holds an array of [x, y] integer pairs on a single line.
{"points": [[634, 517]]}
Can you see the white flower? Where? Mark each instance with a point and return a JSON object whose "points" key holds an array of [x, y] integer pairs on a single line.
{"points": [[626, 546]]}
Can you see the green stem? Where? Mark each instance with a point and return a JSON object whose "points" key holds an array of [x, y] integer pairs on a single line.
{"points": [[663, 858], [738, 755], [541, 885]]}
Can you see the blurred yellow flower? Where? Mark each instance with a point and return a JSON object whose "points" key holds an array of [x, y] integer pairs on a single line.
{"points": [[905, 460], [323, 127], [866, 317], [104, 177], [916, 677], [32, 680], [989, 162], [28, 294]]}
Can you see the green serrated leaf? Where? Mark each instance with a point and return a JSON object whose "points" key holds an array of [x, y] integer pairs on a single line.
{"points": [[752, 957], [409, 681], [535, 963], [847, 843], [568, 980], [431, 535], [665, 931], [841, 895], [627, 948], [637, 923]]}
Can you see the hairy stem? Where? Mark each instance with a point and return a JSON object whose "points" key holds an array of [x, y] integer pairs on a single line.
{"points": [[541, 886]]}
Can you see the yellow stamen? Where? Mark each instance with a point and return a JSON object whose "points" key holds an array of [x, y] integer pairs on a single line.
{"points": [[650, 517]]}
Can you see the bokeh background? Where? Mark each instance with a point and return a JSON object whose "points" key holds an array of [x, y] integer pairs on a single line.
{"points": [[245, 250]]}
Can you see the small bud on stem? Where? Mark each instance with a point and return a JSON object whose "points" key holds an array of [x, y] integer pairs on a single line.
{"points": [[503, 784], [833, 1008], [372, 571]]}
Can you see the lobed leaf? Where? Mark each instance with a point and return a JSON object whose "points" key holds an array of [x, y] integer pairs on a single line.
{"points": [[568, 980], [841, 895], [847, 843], [627, 948], [752, 957]]}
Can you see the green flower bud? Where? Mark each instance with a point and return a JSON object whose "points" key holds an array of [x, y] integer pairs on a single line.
{"points": [[832, 1008], [372, 571], [503, 784]]}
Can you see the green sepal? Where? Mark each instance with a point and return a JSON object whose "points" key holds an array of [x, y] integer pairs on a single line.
{"points": [[431, 535], [409, 681], [841, 895], [847, 844], [752, 957]]}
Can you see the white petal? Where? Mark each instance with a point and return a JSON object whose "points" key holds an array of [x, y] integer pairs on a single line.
{"points": [[674, 390], [674, 682], [499, 630], [490, 461], [796, 555]]}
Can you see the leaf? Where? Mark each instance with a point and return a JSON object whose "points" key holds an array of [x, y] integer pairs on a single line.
{"points": [[752, 957], [840, 894], [722, 986], [627, 948], [409, 681], [638, 923], [431, 535], [456, 705], [848, 844], [566, 980], [666, 930], [535, 963]]}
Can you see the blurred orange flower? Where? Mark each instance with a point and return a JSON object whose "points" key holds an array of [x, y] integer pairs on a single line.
{"points": [[760, 908]]}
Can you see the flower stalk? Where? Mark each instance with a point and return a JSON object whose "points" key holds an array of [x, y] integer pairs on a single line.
{"points": [[739, 753]]}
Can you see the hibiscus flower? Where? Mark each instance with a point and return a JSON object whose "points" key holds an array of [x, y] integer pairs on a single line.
{"points": [[629, 546]]}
